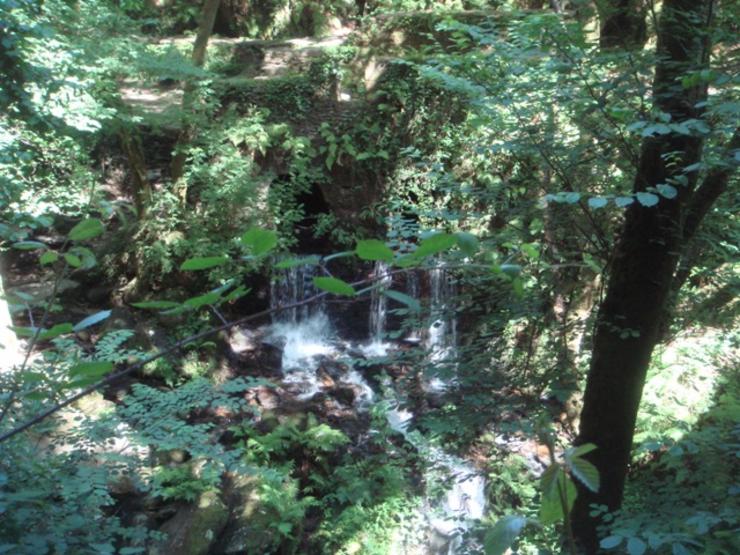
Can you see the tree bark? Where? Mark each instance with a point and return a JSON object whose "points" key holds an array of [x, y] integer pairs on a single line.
{"points": [[642, 270], [198, 58], [622, 24]]}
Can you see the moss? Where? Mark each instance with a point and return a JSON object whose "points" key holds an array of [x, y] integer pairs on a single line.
{"points": [[194, 528]]}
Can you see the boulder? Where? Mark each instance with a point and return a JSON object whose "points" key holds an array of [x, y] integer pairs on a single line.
{"points": [[194, 528]]}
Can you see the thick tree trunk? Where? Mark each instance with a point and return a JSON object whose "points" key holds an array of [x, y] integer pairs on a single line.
{"points": [[198, 58], [642, 269]]}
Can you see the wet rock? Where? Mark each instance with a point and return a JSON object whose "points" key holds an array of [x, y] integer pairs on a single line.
{"points": [[332, 368], [194, 528], [248, 530], [326, 381], [345, 394]]}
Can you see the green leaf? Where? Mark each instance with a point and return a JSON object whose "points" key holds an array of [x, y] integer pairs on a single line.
{"points": [[22, 331], [597, 202], [156, 305], [72, 260], [503, 534], [530, 250], [610, 542], [56, 331], [572, 197], [372, 249], [91, 369], [334, 285], [668, 191], [28, 245], [551, 508], [647, 199], [49, 257], [623, 201], [86, 229], [293, 262], [203, 262], [434, 244], [260, 241], [635, 546], [92, 320], [202, 300], [582, 449], [467, 242], [586, 473], [402, 298]]}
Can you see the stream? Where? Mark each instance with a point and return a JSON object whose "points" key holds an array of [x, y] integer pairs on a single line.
{"points": [[307, 337]]}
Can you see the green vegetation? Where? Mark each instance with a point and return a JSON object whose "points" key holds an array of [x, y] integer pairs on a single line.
{"points": [[369, 277]]}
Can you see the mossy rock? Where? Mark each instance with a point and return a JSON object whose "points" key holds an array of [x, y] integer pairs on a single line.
{"points": [[194, 528]]}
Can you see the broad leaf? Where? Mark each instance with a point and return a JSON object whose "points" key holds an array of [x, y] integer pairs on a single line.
{"points": [[635, 546], [92, 320], [334, 285], [203, 262], [402, 298], [49, 257], [647, 199], [435, 244], [260, 241], [553, 480], [582, 449], [597, 202], [202, 300], [372, 249], [586, 473], [56, 331], [623, 201], [86, 229], [467, 242], [28, 245], [294, 262], [503, 534], [668, 191], [610, 542], [156, 305], [72, 260]]}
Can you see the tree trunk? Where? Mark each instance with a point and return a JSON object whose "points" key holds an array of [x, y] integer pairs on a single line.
{"points": [[622, 24], [643, 267], [198, 58]]}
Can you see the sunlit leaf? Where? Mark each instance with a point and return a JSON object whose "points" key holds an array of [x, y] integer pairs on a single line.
{"points": [[435, 244], [372, 249], [260, 241], [647, 199], [86, 229], [92, 320], [334, 285]]}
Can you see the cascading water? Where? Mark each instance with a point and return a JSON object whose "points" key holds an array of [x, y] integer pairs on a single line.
{"points": [[379, 302], [441, 340], [293, 285], [307, 337]]}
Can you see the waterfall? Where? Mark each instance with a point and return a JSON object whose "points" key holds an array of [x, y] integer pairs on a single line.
{"points": [[291, 286], [308, 339], [379, 302], [441, 340]]}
